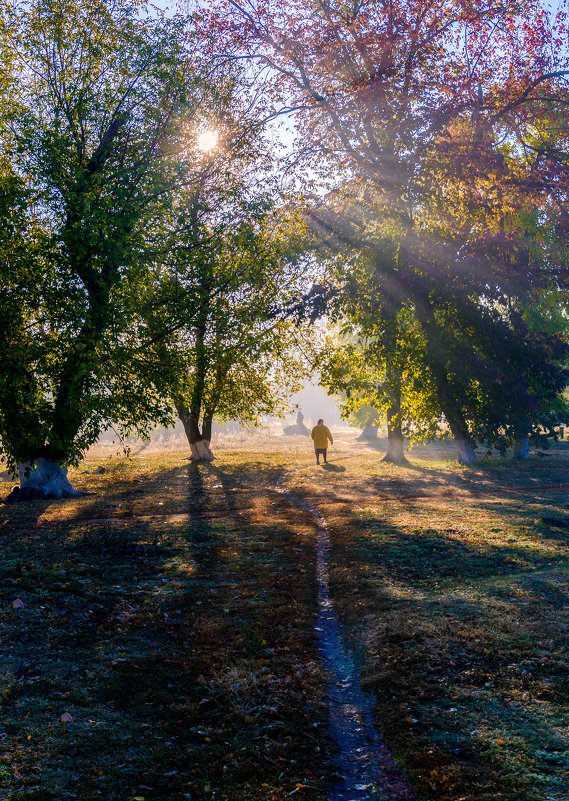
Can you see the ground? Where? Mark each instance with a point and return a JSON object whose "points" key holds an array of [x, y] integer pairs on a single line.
{"points": [[158, 633]]}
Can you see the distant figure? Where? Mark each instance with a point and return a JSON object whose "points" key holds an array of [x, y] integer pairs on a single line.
{"points": [[298, 428], [321, 434]]}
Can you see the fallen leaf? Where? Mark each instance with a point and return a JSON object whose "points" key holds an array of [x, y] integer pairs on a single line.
{"points": [[66, 718]]}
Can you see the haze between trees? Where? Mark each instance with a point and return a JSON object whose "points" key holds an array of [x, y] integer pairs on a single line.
{"points": [[143, 277]]}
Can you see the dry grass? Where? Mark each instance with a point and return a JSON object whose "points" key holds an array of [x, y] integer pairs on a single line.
{"points": [[171, 612], [459, 596]]}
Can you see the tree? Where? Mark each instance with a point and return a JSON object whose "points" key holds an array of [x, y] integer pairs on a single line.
{"points": [[227, 347], [368, 419], [454, 350], [395, 383], [104, 112], [417, 105]]}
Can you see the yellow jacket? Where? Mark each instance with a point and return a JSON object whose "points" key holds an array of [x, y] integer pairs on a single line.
{"points": [[321, 435]]}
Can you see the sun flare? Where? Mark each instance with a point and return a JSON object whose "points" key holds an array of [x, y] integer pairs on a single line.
{"points": [[207, 140]]}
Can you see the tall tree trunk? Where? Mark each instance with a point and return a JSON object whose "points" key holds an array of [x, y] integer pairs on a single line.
{"points": [[47, 476], [199, 441], [521, 447], [201, 452], [395, 442], [80, 364], [465, 453], [395, 451], [44, 479], [207, 423], [41, 471], [199, 444], [450, 407]]}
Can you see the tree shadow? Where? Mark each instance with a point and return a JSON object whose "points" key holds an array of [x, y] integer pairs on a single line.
{"points": [[433, 450], [465, 638], [25, 513], [435, 555], [151, 608], [488, 477], [432, 664], [138, 646]]}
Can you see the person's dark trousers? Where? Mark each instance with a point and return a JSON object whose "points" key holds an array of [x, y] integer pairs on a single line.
{"points": [[323, 452]]}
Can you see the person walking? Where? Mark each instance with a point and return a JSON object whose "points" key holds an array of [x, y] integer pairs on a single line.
{"points": [[321, 434]]}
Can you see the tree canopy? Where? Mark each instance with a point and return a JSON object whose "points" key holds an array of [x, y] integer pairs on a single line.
{"points": [[105, 105], [145, 271], [227, 345], [438, 128]]}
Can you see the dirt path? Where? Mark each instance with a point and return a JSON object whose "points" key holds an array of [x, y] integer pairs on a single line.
{"points": [[365, 768]]}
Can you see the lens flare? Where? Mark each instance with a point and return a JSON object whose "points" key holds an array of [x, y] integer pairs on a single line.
{"points": [[207, 140]]}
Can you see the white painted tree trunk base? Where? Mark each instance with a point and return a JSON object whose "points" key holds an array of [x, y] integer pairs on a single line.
{"points": [[521, 448], [44, 479], [395, 454], [369, 434], [465, 452], [201, 451]]}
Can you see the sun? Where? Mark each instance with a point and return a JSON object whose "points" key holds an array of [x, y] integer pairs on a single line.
{"points": [[207, 140]]}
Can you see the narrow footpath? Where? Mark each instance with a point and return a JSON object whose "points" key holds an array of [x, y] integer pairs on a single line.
{"points": [[365, 769]]}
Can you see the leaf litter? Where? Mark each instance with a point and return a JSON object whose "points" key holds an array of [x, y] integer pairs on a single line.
{"points": [[453, 591]]}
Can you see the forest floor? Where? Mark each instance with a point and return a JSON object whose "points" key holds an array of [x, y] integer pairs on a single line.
{"points": [[158, 633]]}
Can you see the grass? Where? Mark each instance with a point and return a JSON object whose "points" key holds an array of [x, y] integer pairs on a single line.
{"points": [[459, 596], [171, 614]]}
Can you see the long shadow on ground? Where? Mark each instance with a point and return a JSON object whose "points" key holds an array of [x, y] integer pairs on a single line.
{"points": [[466, 648], [171, 617]]}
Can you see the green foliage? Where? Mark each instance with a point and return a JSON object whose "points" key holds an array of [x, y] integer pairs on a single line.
{"points": [[361, 417], [359, 373], [229, 350], [104, 108], [443, 158], [26, 277], [479, 347]]}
